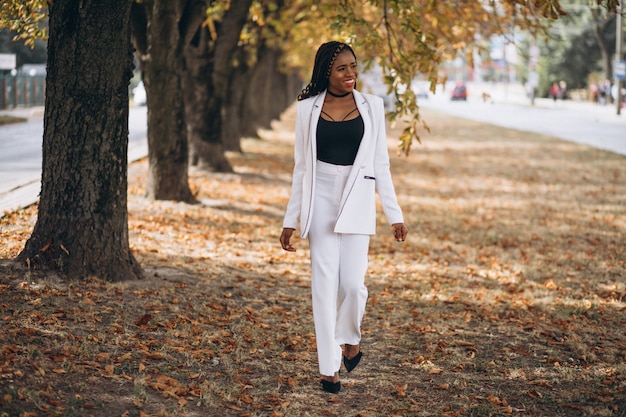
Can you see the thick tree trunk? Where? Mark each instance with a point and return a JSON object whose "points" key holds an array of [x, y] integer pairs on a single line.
{"points": [[269, 93], [238, 85], [202, 106], [82, 224], [600, 24], [259, 96], [216, 64], [256, 96], [161, 67]]}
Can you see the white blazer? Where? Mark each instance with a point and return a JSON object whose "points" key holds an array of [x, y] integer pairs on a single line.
{"points": [[369, 173]]}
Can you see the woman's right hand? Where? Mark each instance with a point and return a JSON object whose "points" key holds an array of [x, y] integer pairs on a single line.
{"points": [[285, 236], [399, 231]]}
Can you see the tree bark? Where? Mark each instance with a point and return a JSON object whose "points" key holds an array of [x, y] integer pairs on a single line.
{"points": [[160, 54], [259, 96], [213, 58], [600, 24], [82, 223], [256, 96], [202, 102], [238, 85], [270, 92]]}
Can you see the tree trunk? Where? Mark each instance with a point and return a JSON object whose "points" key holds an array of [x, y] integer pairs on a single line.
{"points": [[285, 87], [238, 85], [82, 224], [600, 24], [212, 79], [160, 57], [269, 93], [259, 97], [202, 106], [256, 96]]}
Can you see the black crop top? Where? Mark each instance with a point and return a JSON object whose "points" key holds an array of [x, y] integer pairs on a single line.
{"points": [[338, 142]]}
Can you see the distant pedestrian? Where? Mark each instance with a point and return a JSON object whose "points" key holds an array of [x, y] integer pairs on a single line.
{"points": [[563, 90], [594, 93], [554, 91], [341, 159], [604, 92]]}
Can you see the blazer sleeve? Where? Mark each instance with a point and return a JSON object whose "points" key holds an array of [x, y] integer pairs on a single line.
{"points": [[384, 182], [294, 205]]}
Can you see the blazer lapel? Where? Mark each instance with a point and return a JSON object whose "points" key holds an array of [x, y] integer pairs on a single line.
{"points": [[364, 148], [316, 111], [364, 110]]}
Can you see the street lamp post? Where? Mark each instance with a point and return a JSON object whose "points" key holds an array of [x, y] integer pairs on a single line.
{"points": [[619, 59]]}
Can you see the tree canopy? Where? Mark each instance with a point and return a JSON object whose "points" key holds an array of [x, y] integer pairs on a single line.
{"points": [[25, 17], [580, 45]]}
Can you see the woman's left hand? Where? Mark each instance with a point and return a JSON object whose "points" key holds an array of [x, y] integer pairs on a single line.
{"points": [[399, 231]]}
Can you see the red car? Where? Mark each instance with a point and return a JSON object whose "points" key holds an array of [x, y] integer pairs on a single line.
{"points": [[459, 92]]}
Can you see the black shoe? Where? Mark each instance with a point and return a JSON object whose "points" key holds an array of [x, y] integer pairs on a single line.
{"points": [[350, 364], [332, 387]]}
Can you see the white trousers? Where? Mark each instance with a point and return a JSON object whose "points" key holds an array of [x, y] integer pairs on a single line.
{"points": [[338, 266]]}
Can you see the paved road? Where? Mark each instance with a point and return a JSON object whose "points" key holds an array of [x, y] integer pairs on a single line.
{"points": [[585, 123], [21, 154], [20, 159]]}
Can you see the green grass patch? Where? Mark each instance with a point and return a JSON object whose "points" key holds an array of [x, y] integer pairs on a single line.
{"points": [[6, 119]]}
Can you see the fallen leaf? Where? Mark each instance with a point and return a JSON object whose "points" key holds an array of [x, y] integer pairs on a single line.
{"points": [[401, 391], [534, 394], [541, 383], [143, 320]]}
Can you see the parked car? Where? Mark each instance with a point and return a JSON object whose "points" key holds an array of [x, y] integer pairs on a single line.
{"points": [[421, 92], [459, 92], [139, 95], [421, 89]]}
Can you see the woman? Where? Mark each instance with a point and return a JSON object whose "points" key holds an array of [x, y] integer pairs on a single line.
{"points": [[341, 159]]}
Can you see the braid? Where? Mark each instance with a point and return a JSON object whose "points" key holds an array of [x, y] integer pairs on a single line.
{"points": [[324, 60], [332, 59]]}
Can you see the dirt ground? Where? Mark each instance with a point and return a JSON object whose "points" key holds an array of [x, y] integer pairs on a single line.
{"points": [[508, 297]]}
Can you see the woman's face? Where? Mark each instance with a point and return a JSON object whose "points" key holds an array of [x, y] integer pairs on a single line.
{"points": [[342, 78]]}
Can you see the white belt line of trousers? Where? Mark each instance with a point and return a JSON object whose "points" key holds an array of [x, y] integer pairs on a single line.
{"points": [[338, 267]]}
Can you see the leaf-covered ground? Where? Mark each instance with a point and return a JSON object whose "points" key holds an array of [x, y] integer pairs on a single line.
{"points": [[508, 298]]}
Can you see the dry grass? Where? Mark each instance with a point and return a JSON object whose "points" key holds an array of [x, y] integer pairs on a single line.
{"points": [[508, 298]]}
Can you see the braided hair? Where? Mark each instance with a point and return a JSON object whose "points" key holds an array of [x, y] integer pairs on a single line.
{"points": [[324, 60]]}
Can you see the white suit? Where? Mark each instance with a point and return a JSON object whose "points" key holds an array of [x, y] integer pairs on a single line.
{"points": [[336, 206], [358, 204]]}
